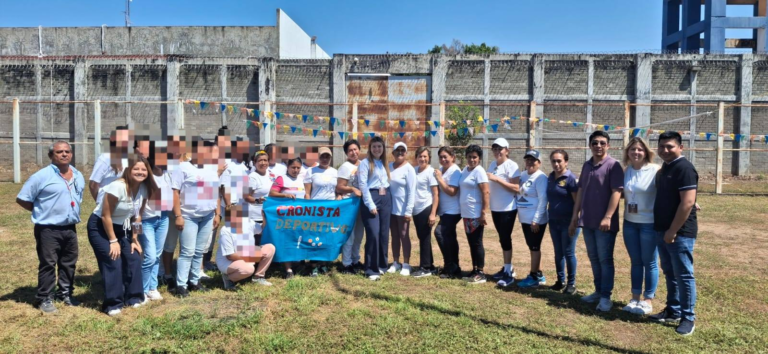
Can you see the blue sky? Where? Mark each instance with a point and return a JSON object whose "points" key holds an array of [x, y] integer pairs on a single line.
{"points": [[367, 26]]}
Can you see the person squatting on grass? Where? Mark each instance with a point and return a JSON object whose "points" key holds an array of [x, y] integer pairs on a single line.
{"points": [[402, 185], [54, 195], [474, 196], [113, 232], [504, 183], [561, 195], [238, 256], [425, 211], [373, 175]]}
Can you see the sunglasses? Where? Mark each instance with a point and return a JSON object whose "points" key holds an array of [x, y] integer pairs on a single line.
{"points": [[599, 143]]}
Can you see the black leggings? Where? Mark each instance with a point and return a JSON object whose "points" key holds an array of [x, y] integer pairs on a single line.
{"points": [[445, 234], [504, 222], [423, 231], [476, 249], [533, 239]]}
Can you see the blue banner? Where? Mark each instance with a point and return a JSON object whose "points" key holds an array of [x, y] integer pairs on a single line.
{"points": [[308, 229]]}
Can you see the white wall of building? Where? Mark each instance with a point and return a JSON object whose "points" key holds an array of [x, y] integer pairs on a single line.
{"points": [[294, 42]]}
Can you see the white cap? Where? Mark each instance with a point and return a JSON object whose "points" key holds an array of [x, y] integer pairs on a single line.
{"points": [[399, 144], [501, 142]]}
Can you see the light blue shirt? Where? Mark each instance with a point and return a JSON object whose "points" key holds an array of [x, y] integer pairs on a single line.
{"points": [[52, 196], [375, 180]]}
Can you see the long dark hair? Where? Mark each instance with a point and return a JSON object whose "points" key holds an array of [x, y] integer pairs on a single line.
{"points": [[149, 182]]}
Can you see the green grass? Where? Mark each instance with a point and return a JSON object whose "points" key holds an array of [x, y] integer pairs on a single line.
{"points": [[349, 314]]}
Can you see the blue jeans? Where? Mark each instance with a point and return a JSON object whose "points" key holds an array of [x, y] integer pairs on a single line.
{"points": [[565, 250], [194, 240], [640, 240], [152, 241], [677, 264], [600, 252]]}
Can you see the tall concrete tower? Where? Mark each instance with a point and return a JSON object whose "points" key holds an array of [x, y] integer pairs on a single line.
{"points": [[685, 35]]}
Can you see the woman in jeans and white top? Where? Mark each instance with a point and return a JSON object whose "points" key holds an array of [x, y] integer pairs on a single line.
{"points": [[347, 186], [425, 211], [474, 197], [532, 211], [639, 237], [504, 182], [373, 176], [320, 184], [449, 209], [113, 232], [402, 184], [291, 186]]}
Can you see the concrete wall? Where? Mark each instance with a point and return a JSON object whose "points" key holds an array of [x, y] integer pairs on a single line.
{"points": [[294, 42], [583, 88]]}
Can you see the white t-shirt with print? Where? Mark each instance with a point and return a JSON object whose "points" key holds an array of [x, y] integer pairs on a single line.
{"points": [[425, 180], [403, 188], [279, 169], [323, 183], [259, 186], [501, 198], [198, 189], [162, 201], [470, 194], [532, 200], [450, 204]]}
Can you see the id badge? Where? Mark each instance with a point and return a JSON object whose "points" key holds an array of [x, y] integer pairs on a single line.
{"points": [[382, 191], [632, 208]]}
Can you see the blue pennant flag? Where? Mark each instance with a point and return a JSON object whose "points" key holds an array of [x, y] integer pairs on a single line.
{"points": [[402, 124], [333, 121], [766, 139], [304, 118], [515, 118], [635, 131], [203, 105], [223, 107], [402, 134], [341, 135], [293, 129], [434, 132], [278, 115], [264, 125], [437, 124], [738, 137], [367, 122], [314, 132], [494, 127], [709, 135]]}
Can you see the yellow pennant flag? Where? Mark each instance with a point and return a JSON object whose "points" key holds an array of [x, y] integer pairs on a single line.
{"points": [[354, 135]]}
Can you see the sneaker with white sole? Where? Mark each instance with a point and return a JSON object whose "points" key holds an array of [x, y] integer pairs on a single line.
{"points": [[643, 308], [506, 280], [204, 276], [591, 298], [631, 306], [374, 277], [405, 270], [685, 328], [153, 295], [529, 282], [261, 281], [394, 268], [115, 312], [142, 303], [605, 304], [477, 278]]}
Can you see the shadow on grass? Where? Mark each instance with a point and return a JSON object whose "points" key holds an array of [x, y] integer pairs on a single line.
{"points": [[91, 298], [455, 313]]}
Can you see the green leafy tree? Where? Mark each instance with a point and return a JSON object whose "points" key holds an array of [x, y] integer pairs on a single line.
{"points": [[456, 47], [480, 49], [460, 115]]}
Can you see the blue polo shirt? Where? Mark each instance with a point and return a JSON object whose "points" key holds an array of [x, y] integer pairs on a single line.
{"points": [[559, 195], [53, 197]]}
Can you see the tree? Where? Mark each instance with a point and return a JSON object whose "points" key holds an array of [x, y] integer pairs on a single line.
{"points": [[456, 47], [480, 49], [460, 115]]}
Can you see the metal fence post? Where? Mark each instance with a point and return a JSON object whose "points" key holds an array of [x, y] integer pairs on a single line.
{"points": [[719, 166], [16, 143], [96, 129], [626, 123], [441, 131], [532, 127], [179, 115], [354, 119]]}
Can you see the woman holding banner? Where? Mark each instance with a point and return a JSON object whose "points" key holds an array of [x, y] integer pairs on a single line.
{"points": [[320, 184], [374, 177], [347, 185], [450, 212], [403, 188], [291, 186], [424, 211]]}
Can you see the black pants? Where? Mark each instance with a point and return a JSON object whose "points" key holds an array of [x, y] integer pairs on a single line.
{"points": [[121, 277], [56, 245], [424, 232], [476, 249], [445, 234], [376, 232], [504, 221], [533, 239]]}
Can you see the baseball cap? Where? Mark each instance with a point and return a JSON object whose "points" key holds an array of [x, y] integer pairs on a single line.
{"points": [[324, 150], [501, 142], [399, 144], [532, 153]]}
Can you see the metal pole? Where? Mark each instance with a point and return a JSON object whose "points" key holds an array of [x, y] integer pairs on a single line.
{"points": [[626, 123], [719, 166], [16, 143], [96, 129]]}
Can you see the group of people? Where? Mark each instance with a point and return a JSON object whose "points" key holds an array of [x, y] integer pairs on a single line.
{"points": [[160, 196]]}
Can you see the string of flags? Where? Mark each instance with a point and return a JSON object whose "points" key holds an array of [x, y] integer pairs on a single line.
{"points": [[266, 119]]}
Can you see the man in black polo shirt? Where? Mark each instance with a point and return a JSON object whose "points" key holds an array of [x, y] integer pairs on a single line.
{"points": [[675, 223]]}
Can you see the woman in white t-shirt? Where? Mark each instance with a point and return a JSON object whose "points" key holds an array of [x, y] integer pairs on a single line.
{"points": [[474, 195], [289, 186], [347, 186], [113, 232], [259, 185], [449, 209], [320, 184], [403, 187], [425, 211], [532, 211], [504, 182], [639, 236]]}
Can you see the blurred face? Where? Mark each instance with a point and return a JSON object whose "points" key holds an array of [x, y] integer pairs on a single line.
{"points": [[423, 158], [446, 160], [325, 160], [262, 163], [669, 150], [559, 165], [62, 154], [599, 146], [161, 158], [636, 153], [499, 153], [121, 142], [294, 169], [241, 148], [399, 154], [532, 165], [142, 148], [377, 149], [473, 160], [353, 153], [139, 172]]}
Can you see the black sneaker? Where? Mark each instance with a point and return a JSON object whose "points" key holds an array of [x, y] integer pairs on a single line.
{"points": [[68, 300], [350, 269], [288, 275], [171, 283], [500, 274], [665, 316], [557, 286], [570, 289], [685, 328], [47, 307], [422, 272], [197, 287], [181, 292], [477, 278], [359, 267]]}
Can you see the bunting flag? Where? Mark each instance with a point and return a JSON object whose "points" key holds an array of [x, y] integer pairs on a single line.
{"points": [[314, 132], [341, 135], [278, 115], [402, 123], [354, 135], [333, 122], [381, 124], [434, 132], [367, 122], [293, 130], [401, 134], [265, 125], [494, 127], [304, 118], [248, 124], [766, 139], [436, 123], [202, 104]]}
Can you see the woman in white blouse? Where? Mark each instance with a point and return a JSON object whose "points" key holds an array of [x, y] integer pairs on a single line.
{"points": [[259, 185], [402, 184], [347, 186], [532, 211], [425, 211], [373, 176]]}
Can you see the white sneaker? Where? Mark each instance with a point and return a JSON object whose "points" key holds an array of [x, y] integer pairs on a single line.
{"points": [[261, 281], [630, 306], [204, 276], [140, 304], [591, 298], [643, 308], [394, 268], [605, 304], [153, 295], [113, 313], [374, 277], [406, 270]]}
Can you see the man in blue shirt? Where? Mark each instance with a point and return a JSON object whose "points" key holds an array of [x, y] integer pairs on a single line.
{"points": [[53, 195]]}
